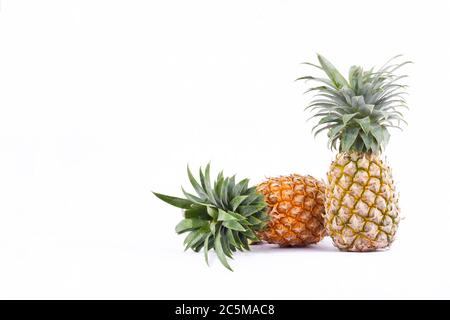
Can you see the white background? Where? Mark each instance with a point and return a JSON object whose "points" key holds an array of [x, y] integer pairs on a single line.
{"points": [[103, 101]]}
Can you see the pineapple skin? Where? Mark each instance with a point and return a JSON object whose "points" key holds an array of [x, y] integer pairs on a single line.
{"points": [[362, 212], [296, 210]]}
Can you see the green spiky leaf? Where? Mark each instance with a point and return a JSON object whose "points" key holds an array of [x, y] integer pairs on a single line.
{"points": [[225, 216], [364, 123], [348, 138], [334, 75], [174, 201], [219, 251], [189, 224], [234, 225]]}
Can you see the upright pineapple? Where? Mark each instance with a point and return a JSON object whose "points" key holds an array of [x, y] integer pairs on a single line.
{"points": [[362, 212], [296, 209]]}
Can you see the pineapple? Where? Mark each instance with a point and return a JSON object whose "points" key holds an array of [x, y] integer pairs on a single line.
{"points": [[224, 216], [362, 212], [296, 210]]}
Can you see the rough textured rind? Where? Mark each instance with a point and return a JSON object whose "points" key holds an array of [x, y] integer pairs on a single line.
{"points": [[296, 210], [362, 212]]}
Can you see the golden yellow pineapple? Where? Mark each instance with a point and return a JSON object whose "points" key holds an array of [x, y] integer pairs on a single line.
{"points": [[296, 209], [362, 212]]}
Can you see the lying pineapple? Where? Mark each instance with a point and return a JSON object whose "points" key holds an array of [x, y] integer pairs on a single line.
{"points": [[227, 216], [362, 212], [296, 209], [224, 216]]}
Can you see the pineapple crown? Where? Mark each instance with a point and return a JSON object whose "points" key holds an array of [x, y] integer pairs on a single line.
{"points": [[357, 112], [223, 216]]}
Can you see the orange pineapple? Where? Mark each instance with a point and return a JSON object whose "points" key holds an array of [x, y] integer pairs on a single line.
{"points": [[296, 210]]}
